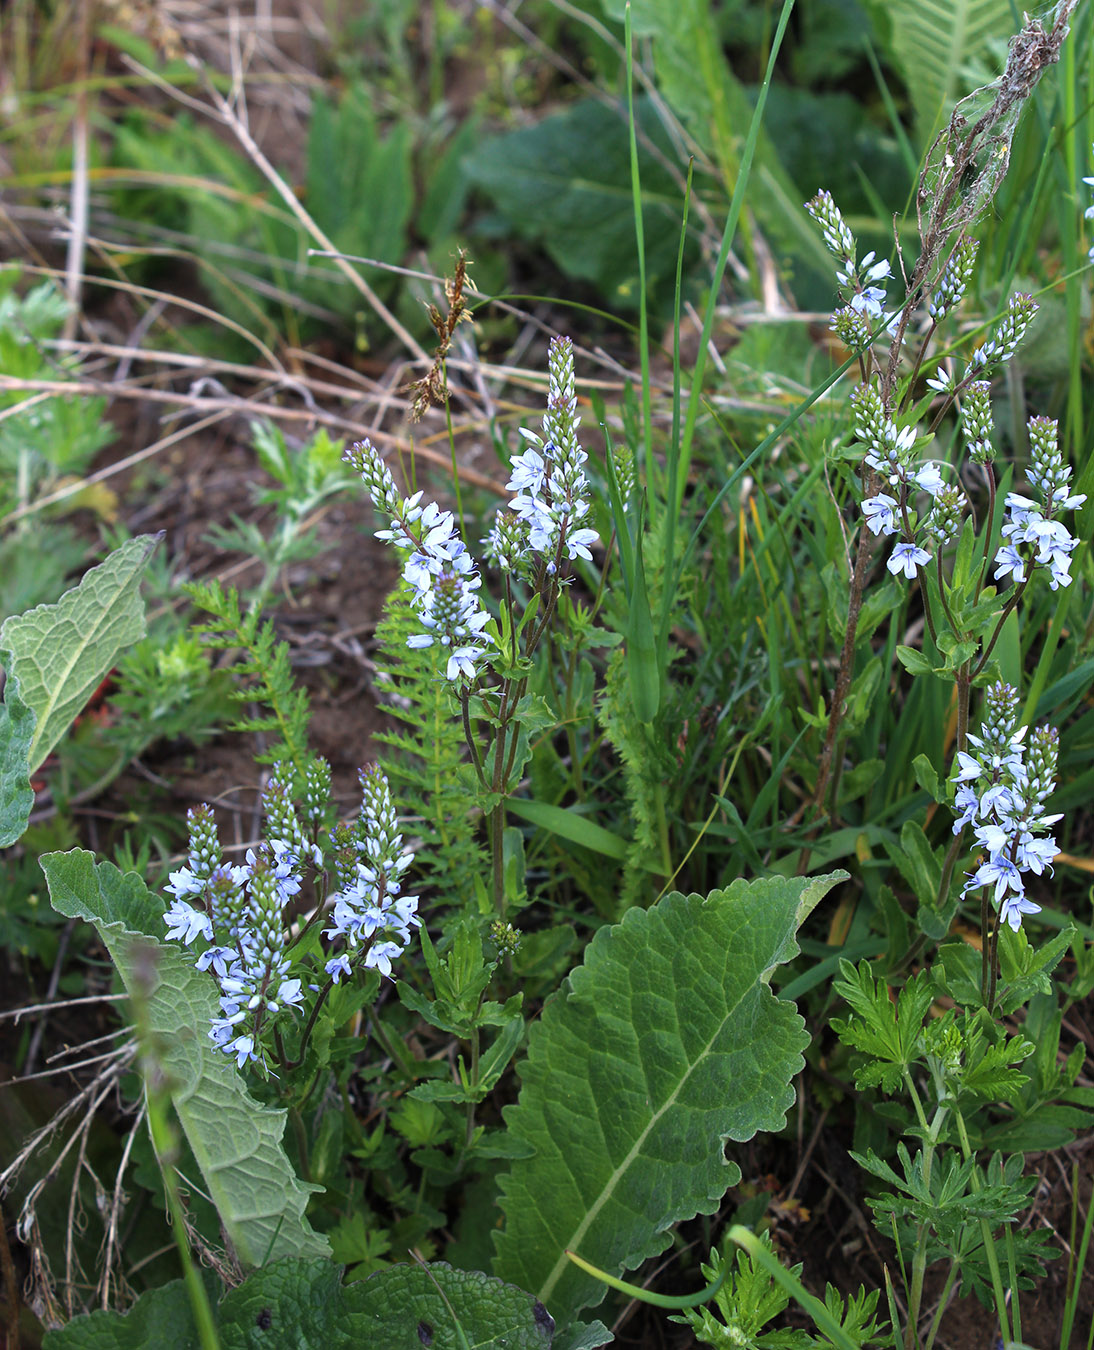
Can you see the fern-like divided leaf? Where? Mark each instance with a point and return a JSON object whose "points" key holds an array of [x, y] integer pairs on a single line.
{"points": [[934, 41], [266, 663], [428, 771], [664, 1043]]}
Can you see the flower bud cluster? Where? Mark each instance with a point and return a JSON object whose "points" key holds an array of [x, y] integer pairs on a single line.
{"points": [[954, 280], [1002, 786], [944, 519], [1003, 343], [1088, 214], [552, 500], [370, 916], [623, 463], [853, 329], [317, 789], [1034, 536], [283, 823], [439, 568], [976, 422]]}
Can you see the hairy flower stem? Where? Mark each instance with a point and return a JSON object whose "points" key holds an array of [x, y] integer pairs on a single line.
{"points": [[985, 954], [468, 735], [847, 661], [993, 970]]}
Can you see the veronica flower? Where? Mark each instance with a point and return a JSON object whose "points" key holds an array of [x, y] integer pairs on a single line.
{"points": [[907, 558], [1013, 906], [879, 514], [185, 923], [439, 568], [1001, 792]]}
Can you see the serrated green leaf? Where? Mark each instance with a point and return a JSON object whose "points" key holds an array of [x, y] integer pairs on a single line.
{"points": [[926, 775], [294, 1304], [17, 722], [55, 656], [236, 1141], [918, 863], [913, 660], [61, 652], [398, 1308], [666, 1041]]}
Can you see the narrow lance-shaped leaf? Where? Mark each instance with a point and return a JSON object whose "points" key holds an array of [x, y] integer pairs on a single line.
{"points": [[665, 1042], [236, 1141]]}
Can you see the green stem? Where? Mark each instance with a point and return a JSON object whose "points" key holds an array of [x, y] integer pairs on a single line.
{"points": [[943, 1303], [301, 1137], [474, 1076], [986, 1235]]}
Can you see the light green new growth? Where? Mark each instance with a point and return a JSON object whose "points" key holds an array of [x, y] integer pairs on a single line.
{"points": [[266, 661]]}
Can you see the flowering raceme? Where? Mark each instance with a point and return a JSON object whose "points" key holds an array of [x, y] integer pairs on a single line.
{"points": [[552, 494], [239, 909], [369, 905], [438, 567], [1034, 536], [239, 913], [864, 298], [1001, 789]]}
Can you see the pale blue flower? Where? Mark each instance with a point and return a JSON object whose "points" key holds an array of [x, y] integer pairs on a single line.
{"points": [[1014, 906], [1009, 561], [879, 514], [184, 882], [185, 923], [907, 558], [929, 479], [1001, 872]]}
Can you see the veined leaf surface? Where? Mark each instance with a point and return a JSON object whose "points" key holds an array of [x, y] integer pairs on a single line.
{"points": [[294, 1304], [55, 656], [664, 1043]]}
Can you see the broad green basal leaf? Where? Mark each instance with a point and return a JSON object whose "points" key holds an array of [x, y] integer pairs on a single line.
{"points": [[236, 1141], [567, 182], [55, 656], [664, 1043], [303, 1305]]}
